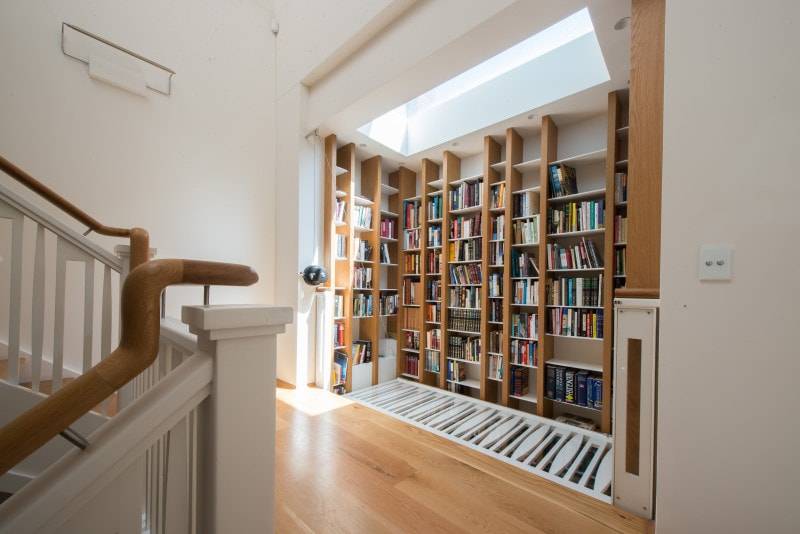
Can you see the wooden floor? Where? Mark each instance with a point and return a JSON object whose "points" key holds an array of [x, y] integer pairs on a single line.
{"points": [[342, 467]]}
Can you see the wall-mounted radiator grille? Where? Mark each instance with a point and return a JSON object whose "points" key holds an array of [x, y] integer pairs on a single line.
{"points": [[578, 459]]}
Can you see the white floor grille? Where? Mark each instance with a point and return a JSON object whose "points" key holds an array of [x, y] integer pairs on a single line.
{"points": [[578, 459]]}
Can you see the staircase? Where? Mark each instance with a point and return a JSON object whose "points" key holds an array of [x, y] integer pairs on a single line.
{"points": [[140, 400]]}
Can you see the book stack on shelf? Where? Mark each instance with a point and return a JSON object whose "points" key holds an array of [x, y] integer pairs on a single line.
{"points": [[362, 217], [576, 387], [362, 352]]}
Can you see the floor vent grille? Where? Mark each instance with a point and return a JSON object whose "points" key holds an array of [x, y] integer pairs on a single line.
{"points": [[578, 459]]}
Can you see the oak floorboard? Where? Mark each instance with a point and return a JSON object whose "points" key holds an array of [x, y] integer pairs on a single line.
{"points": [[344, 468]]}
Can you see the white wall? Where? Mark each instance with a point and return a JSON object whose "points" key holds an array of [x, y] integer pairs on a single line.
{"points": [[195, 168], [729, 360]]}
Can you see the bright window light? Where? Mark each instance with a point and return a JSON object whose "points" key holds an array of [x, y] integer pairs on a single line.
{"points": [[392, 128]]}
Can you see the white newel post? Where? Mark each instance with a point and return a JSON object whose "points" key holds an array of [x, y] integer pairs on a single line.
{"points": [[239, 466]]}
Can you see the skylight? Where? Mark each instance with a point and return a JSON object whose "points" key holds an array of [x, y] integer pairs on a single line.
{"points": [[417, 124]]}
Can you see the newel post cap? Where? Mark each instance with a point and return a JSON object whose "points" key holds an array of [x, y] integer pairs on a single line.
{"points": [[236, 320]]}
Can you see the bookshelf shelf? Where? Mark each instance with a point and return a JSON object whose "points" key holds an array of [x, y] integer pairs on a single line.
{"points": [[595, 156], [340, 170], [573, 405], [389, 214], [469, 382], [575, 364], [388, 190], [583, 233], [528, 397], [584, 270], [499, 166], [527, 166], [340, 194], [467, 179], [361, 201], [583, 338], [594, 193], [471, 209]]}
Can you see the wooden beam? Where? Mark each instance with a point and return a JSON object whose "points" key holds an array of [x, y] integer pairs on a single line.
{"points": [[645, 149]]}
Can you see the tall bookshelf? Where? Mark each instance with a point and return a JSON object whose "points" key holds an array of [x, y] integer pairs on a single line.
{"points": [[520, 311], [433, 245], [411, 281], [357, 202]]}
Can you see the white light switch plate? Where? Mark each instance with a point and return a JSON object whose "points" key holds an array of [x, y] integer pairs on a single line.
{"points": [[715, 262]]}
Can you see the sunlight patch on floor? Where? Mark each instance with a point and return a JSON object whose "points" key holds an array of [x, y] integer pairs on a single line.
{"points": [[311, 401]]}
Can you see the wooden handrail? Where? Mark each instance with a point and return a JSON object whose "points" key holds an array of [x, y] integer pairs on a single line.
{"points": [[139, 238], [138, 348]]}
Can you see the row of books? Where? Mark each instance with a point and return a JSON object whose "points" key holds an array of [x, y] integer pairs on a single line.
{"points": [[338, 306], [339, 372], [362, 277], [576, 217], [434, 262], [435, 235], [456, 371], [411, 339], [575, 291], [466, 195], [620, 187], [495, 367], [526, 292], [362, 216], [582, 255], [433, 339], [498, 228], [465, 297], [432, 361], [465, 226], [562, 180], [411, 213], [386, 258], [411, 321], [523, 264], [619, 261], [341, 211], [524, 352], [412, 365], [434, 289], [388, 304], [435, 208], [496, 253], [466, 274], [412, 293], [411, 240], [525, 325], [497, 195], [388, 227], [494, 342], [465, 250], [412, 264], [433, 313], [496, 311], [362, 352], [527, 231], [465, 320], [362, 249], [362, 305], [620, 229], [526, 204], [338, 334], [464, 347], [574, 386], [341, 246], [495, 284], [520, 379], [576, 322]]}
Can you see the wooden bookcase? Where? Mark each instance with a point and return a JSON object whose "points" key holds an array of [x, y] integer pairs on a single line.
{"points": [[410, 311], [515, 166]]}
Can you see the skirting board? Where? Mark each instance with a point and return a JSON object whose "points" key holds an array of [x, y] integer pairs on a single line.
{"points": [[578, 459]]}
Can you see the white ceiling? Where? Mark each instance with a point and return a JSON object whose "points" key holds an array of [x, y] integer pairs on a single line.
{"points": [[517, 22]]}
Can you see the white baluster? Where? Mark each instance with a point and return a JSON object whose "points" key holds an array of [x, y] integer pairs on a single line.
{"points": [[88, 312], [37, 310], [58, 336], [15, 294]]}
